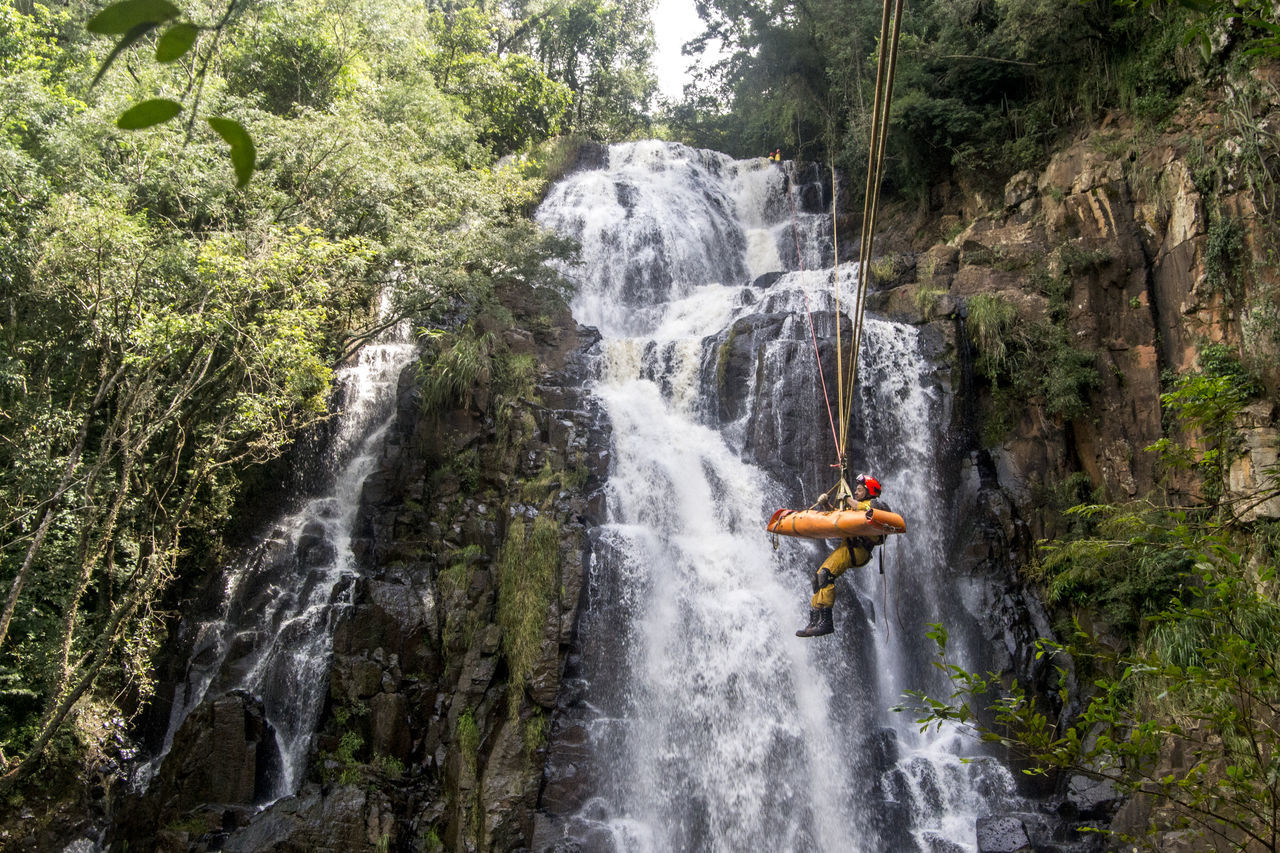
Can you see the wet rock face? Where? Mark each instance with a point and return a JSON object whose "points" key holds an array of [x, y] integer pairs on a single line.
{"points": [[342, 818], [1002, 835], [421, 736], [420, 673], [777, 428], [223, 762], [224, 753]]}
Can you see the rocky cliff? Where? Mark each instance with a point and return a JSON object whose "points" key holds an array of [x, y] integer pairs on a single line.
{"points": [[1148, 244], [1132, 254], [447, 664]]}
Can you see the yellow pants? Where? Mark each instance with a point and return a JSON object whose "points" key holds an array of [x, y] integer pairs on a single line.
{"points": [[836, 565]]}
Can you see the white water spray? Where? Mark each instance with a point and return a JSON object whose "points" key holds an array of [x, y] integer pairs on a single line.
{"points": [[273, 636], [712, 726]]}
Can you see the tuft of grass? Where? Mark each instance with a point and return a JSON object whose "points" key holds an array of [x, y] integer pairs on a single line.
{"points": [[926, 300], [534, 734], [990, 319], [514, 374], [450, 376], [469, 742], [528, 568], [883, 269], [1077, 261]]}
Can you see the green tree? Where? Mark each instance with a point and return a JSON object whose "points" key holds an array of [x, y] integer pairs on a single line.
{"points": [[981, 89], [180, 369], [165, 333], [292, 55], [600, 49]]}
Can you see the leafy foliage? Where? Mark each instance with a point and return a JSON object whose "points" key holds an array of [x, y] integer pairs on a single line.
{"points": [[1028, 362], [1202, 682], [1205, 404], [1222, 256], [529, 569], [981, 90], [1189, 590], [134, 21], [167, 332]]}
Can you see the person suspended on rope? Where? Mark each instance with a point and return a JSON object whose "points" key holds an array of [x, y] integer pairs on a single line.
{"points": [[854, 551]]}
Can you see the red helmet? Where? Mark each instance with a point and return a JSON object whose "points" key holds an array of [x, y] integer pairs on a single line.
{"points": [[872, 484]]}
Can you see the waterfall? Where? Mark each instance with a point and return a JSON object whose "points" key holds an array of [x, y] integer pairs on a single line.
{"points": [[707, 724], [272, 635]]}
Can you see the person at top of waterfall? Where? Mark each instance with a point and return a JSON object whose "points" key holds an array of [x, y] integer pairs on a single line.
{"points": [[775, 156], [854, 551]]}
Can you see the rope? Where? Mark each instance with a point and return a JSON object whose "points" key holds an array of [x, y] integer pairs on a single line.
{"points": [[884, 594], [897, 565], [886, 67], [835, 248], [813, 333]]}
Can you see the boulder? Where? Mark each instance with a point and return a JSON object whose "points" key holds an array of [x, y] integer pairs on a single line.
{"points": [[389, 726], [1002, 835], [1093, 798], [225, 752], [346, 819]]}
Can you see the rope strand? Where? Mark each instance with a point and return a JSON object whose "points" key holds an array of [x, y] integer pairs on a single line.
{"points": [[886, 67], [835, 250], [813, 333]]}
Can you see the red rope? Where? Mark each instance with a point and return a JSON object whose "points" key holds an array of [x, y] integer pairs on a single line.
{"points": [[813, 333]]}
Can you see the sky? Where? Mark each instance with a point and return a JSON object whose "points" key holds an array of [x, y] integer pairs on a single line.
{"points": [[674, 23]]}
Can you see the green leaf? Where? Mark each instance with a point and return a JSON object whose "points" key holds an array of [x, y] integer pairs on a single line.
{"points": [[243, 154], [125, 43], [121, 18], [176, 41], [1206, 47], [151, 112]]}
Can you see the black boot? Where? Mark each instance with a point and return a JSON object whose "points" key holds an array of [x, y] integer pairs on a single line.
{"points": [[821, 626], [814, 619]]}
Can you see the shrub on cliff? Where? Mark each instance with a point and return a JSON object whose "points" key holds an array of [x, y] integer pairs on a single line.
{"points": [[1027, 363], [1184, 710]]}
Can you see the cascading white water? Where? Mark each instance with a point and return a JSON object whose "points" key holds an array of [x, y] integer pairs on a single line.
{"points": [[711, 726], [273, 635]]}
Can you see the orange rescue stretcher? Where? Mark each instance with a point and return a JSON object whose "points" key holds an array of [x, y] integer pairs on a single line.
{"points": [[814, 524]]}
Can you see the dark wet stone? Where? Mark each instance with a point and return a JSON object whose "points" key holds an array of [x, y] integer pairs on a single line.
{"points": [[1002, 835]]}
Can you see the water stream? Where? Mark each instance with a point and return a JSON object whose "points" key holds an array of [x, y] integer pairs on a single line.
{"points": [[273, 634], [710, 725]]}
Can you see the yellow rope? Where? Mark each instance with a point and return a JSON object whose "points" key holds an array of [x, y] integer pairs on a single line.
{"points": [[885, 69], [835, 248]]}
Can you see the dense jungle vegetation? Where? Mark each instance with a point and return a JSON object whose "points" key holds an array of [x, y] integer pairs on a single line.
{"points": [[206, 208], [981, 89], [164, 332]]}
